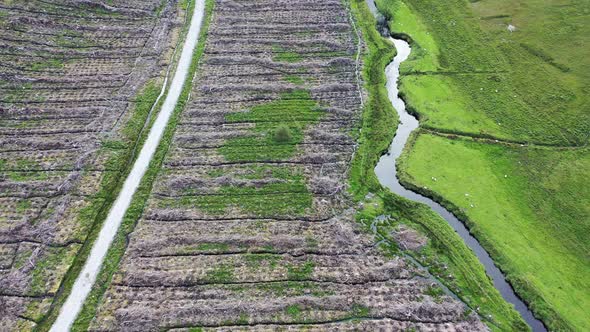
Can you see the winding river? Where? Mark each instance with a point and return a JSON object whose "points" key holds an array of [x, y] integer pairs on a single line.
{"points": [[387, 173], [83, 284]]}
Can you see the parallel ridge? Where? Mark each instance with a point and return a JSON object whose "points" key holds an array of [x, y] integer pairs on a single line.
{"points": [[70, 71], [244, 230]]}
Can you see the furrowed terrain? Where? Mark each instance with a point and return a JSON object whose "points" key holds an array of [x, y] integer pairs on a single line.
{"points": [[249, 224], [501, 91], [77, 82]]}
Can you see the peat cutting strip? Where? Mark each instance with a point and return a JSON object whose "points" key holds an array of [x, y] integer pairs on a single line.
{"points": [[87, 276], [58, 110]]}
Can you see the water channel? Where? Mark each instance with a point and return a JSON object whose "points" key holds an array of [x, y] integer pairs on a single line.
{"points": [[387, 173]]}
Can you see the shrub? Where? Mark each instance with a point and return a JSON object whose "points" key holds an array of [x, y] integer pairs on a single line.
{"points": [[282, 134]]}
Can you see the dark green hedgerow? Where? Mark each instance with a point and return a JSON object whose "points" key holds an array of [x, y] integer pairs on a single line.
{"points": [[445, 251]]}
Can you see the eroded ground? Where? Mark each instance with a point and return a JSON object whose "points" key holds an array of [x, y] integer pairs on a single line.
{"points": [[71, 73], [249, 224]]}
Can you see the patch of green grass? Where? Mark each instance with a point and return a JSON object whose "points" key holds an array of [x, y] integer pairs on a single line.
{"points": [[114, 144], [27, 176], [21, 258], [23, 206], [295, 79], [52, 266], [71, 39], [300, 272], [47, 64], [287, 196], [283, 55], [88, 9], [360, 311], [294, 111], [286, 173], [247, 200], [17, 93], [257, 260], [243, 319], [218, 247], [435, 292], [220, 274], [184, 4], [294, 311], [526, 206], [282, 134], [311, 242]]}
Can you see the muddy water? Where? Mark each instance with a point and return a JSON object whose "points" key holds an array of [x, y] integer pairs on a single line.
{"points": [[387, 174], [87, 277]]}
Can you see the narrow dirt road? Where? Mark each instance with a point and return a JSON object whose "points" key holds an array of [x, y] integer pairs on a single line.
{"points": [[86, 279]]}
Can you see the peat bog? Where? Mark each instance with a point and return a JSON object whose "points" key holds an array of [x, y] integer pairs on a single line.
{"points": [[260, 209]]}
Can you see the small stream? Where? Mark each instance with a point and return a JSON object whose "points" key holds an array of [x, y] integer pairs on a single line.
{"points": [[387, 173]]}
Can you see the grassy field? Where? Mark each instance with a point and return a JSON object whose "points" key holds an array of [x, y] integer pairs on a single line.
{"points": [[446, 256], [526, 204], [469, 75]]}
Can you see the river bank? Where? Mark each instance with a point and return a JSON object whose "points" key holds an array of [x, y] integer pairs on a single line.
{"points": [[469, 277], [386, 172]]}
